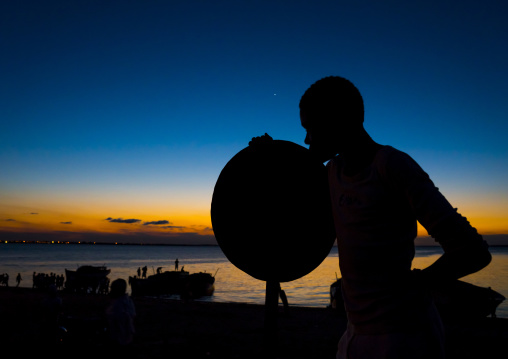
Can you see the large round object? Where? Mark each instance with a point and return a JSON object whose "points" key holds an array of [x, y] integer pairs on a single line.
{"points": [[271, 211]]}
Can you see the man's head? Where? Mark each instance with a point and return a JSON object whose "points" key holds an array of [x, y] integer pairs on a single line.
{"points": [[332, 112], [118, 288]]}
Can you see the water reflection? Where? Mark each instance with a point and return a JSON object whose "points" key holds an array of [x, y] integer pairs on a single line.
{"points": [[232, 285], [313, 289]]}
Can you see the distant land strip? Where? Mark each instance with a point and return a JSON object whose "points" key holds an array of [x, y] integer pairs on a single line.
{"points": [[494, 240]]}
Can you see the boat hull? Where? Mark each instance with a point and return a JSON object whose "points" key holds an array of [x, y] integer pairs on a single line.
{"points": [[173, 282], [455, 301], [87, 279]]}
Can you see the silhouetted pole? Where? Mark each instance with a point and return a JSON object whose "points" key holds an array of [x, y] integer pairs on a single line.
{"points": [[271, 308]]}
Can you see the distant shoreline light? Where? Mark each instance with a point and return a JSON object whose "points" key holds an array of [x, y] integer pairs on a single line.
{"points": [[417, 245], [108, 243]]}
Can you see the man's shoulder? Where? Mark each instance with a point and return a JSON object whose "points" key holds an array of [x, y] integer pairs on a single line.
{"points": [[389, 156], [396, 164], [389, 151]]}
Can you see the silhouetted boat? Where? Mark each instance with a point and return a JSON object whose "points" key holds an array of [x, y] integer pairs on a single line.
{"points": [[200, 285], [169, 282], [336, 296], [87, 279], [459, 300], [173, 282], [455, 301]]}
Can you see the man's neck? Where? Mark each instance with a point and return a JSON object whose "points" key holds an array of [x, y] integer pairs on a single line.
{"points": [[360, 156]]}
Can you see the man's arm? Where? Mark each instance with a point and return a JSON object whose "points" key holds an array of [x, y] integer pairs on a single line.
{"points": [[465, 251]]}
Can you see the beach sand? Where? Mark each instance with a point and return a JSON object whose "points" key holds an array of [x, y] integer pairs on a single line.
{"points": [[175, 329]]}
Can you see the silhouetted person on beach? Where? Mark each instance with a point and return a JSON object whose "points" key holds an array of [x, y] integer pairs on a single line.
{"points": [[18, 279], [284, 299], [5, 279], [120, 316], [52, 311], [139, 272], [176, 265], [378, 194], [144, 271]]}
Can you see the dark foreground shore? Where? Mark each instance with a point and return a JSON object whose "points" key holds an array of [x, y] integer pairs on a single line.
{"points": [[175, 329]]}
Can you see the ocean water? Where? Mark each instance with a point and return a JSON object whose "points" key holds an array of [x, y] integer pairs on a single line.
{"points": [[231, 284]]}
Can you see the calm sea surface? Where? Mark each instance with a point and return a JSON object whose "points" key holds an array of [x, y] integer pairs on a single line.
{"points": [[231, 285]]}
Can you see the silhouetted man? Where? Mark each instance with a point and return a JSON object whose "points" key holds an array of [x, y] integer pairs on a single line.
{"points": [[378, 195], [120, 316]]}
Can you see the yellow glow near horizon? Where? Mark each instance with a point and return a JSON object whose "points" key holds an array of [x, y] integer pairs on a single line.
{"points": [[19, 219], [88, 217], [484, 225]]}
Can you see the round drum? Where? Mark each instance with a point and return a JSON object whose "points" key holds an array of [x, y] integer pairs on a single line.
{"points": [[271, 211]]}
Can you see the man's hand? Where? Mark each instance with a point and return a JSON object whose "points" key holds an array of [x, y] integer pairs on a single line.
{"points": [[260, 139]]}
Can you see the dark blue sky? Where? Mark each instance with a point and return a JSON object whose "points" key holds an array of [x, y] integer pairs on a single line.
{"points": [[139, 104]]}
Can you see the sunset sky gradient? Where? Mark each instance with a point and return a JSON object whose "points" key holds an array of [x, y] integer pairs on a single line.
{"points": [[118, 116]]}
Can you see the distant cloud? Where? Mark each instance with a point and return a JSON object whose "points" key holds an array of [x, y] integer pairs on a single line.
{"points": [[10, 220], [34, 213], [173, 227], [65, 222], [157, 223], [202, 229], [121, 220]]}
